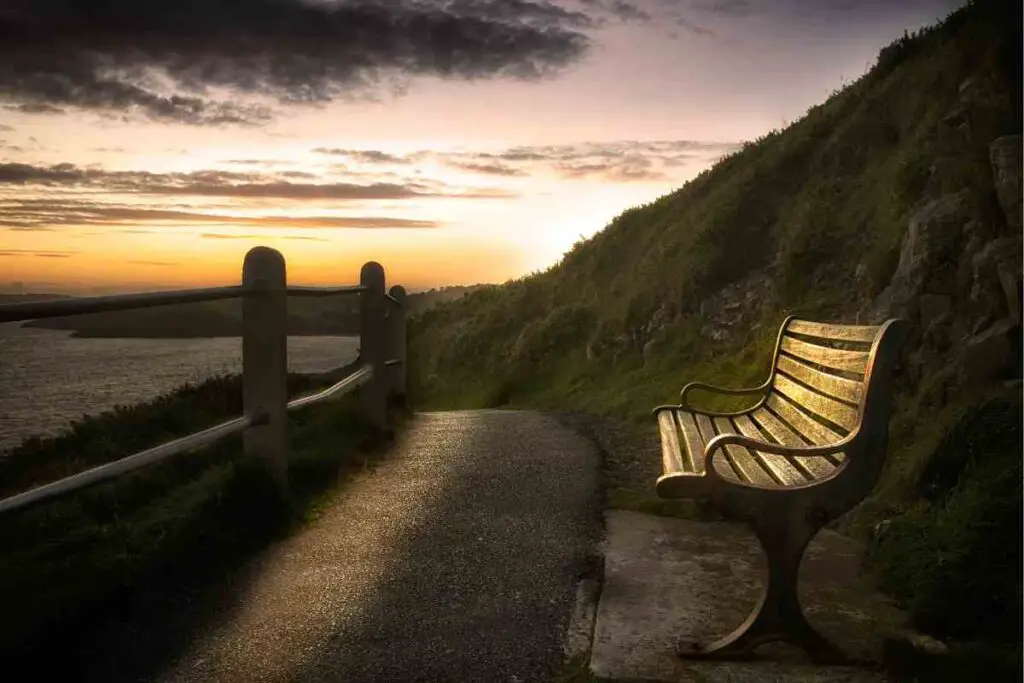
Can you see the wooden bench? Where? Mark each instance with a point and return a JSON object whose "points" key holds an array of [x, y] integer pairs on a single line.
{"points": [[810, 449]]}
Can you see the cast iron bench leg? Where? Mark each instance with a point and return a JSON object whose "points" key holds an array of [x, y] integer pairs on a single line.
{"points": [[777, 615]]}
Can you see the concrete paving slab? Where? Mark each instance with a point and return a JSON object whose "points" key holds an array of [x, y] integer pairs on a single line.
{"points": [[668, 578]]}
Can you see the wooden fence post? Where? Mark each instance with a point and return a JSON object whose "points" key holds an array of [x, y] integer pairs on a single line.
{"points": [[397, 331], [265, 359], [373, 344]]}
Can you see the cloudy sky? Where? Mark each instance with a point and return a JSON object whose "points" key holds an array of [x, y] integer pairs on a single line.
{"points": [[150, 144]]}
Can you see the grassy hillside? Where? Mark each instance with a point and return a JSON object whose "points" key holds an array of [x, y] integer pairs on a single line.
{"points": [[886, 200]]}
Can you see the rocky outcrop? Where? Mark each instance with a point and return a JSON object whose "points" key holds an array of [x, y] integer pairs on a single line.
{"points": [[959, 278], [1005, 153], [737, 306], [929, 254]]}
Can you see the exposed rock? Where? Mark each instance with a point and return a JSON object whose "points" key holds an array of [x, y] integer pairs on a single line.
{"points": [[995, 271], [943, 175], [938, 335], [928, 255], [736, 306], [975, 235], [926, 643], [648, 351], [1010, 280], [932, 306], [988, 355], [1005, 154]]}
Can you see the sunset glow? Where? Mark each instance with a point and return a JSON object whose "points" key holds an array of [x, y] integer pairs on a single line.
{"points": [[134, 166]]}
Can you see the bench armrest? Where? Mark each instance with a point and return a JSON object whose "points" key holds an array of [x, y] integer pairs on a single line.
{"points": [[719, 390], [722, 440]]}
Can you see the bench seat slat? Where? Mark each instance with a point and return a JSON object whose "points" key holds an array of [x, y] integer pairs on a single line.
{"points": [[819, 404], [816, 467], [693, 442], [722, 465], [853, 333], [837, 359], [832, 385], [779, 465], [743, 461], [671, 455]]}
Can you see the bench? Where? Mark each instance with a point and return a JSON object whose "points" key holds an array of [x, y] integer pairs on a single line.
{"points": [[809, 450]]}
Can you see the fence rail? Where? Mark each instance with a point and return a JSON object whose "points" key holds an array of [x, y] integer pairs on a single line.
{"points": [[264, 292]]}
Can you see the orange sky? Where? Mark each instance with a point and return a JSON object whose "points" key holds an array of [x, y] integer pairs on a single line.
{"points": [[447, 175]]}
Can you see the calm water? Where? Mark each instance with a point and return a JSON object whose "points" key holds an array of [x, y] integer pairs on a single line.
{"points": [[48, 378]]}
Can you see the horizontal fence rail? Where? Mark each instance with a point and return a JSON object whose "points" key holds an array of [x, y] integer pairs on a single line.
{"points": [[126, 465], [356, 379], [264, 291]]}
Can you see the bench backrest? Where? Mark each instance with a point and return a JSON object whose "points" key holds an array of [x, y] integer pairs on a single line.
{"points": [[830, 380]]}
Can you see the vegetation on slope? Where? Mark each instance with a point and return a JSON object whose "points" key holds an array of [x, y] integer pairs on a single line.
{"points": [[809, 220]]}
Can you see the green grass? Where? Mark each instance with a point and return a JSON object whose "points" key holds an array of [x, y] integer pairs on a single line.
{"points": [[628, 499], [75, 561], [575, 670], [819, 211], [952, 556]]}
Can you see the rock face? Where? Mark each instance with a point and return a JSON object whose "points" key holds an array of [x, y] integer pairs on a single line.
{"points": [[959, 276], [737, 306], [928, 255], [1005, 153]]}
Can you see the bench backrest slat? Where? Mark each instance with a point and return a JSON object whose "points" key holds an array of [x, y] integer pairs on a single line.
{"points": [[822, 406], [814, 432], [819, 385], [828, 332], [849, 390], [836, 359]]}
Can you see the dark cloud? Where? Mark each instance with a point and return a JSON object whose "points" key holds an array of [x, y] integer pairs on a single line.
{"points": [[618, 9], [32, 107], [694, 28], [186, 61], [625, 169], [368, 156], [221, 236], [728, 8], [620, 161], [489, 169], [40, 254], [43, 214], [4, 128], [226, 184]]}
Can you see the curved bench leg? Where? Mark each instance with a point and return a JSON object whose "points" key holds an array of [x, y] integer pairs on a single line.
{"points": [[777, 615]]}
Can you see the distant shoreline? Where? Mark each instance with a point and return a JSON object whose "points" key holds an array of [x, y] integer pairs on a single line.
{"points": [[86, 334], [218, 319]]}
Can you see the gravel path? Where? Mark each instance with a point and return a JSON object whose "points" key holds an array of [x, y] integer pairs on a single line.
{"points": [[456, 559]]}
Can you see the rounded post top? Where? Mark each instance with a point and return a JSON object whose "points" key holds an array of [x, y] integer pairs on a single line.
{"points": [[397, 293], [263, 263], [372, 275]]}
